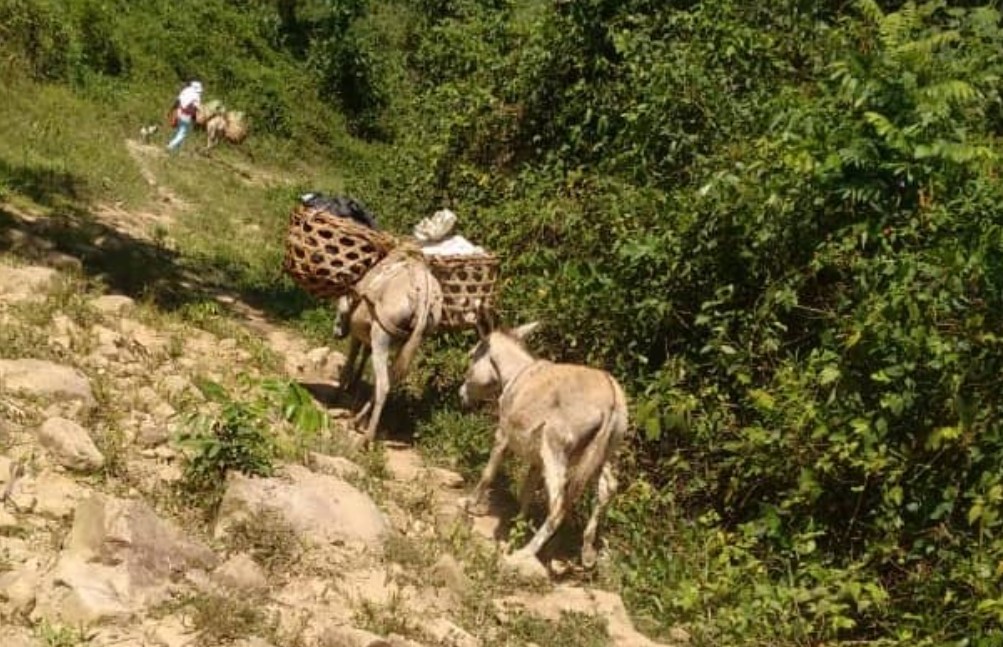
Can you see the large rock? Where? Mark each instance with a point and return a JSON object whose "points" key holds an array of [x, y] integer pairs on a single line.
{"points": [[338, 466], [42, 378], [48, 494], [120, 558], [70, 445], [17, 589], [572, 599], [116, 531], [79, 592], [24, 283], [319, 507]]}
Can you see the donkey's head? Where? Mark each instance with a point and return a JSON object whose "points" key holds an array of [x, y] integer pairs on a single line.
{"points": [[495, 350]]}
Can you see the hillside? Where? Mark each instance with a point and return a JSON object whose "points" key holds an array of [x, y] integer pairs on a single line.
{"points": [[120, 525], [778, 226]]}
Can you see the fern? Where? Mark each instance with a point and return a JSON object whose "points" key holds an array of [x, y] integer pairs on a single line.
{"points": [[950, 92], [871, 12], [921, 52]]}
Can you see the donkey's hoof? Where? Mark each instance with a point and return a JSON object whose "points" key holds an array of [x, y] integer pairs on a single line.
{"points": [[526, 565], [474, 507], [358, 440], [589, 557]]}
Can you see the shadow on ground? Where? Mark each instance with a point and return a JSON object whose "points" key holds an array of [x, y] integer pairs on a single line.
{"points": [[63, 229], [124, 264]]}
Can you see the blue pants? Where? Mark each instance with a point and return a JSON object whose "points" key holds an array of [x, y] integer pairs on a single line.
{"points": [[184, 125]]}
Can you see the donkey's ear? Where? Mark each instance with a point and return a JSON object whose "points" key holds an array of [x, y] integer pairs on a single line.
{"points": [[525, 330], [485, 320]]}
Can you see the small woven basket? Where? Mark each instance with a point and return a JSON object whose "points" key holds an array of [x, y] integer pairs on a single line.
{"points": [[327, 254], [467, 281]]}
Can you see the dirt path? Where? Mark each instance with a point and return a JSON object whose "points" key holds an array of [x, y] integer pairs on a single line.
{"points": [[169, 202]]}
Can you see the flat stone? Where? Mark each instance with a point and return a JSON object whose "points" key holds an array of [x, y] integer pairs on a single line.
{"points": [[320, 508], [27, 283], [43, 378], [112, 304]]}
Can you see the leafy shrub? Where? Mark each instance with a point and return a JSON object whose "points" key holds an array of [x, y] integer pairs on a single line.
{"points": [[234, 439], [779, 226]]}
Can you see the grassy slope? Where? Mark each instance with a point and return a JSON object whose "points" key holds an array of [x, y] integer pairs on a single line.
{"points": [[65, 155]]}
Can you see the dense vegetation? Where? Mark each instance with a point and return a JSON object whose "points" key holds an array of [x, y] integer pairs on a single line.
{"points": [[778, 223]]}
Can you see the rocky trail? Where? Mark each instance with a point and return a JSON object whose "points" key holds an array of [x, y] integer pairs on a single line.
{"points": [[101, 544]]}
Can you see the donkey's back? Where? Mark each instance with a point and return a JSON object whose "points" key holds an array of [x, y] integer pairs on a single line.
{"points": [[568, 404]]}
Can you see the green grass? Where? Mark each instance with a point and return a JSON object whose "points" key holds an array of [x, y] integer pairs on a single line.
{"points": [[64, 157], [59, 149]]}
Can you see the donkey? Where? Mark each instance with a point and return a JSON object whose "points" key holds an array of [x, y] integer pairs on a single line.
{"points": [[565, 420], [394, 305]]}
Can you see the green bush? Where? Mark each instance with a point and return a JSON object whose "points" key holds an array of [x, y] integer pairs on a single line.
{"points": [[780, 226], [236, 439]]}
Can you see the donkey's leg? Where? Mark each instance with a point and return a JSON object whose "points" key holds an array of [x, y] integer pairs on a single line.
{"points": [[381, 343], [360, 368], [348, 369], [342, 315], [477, 504], [530, 484], [605, 490], [555, 474]]}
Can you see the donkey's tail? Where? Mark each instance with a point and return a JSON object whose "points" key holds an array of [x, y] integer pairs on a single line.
{"points": [[410, 347], [598, 451]]}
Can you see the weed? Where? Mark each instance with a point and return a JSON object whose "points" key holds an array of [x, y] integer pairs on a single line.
{"points": [[572, 630], [268, 539], [236, 439], [521, 531], [414, 553], [390, 617], [18, 340], [222, 619], [295, 407], [52, 635], [373, 459], [6, 561], [175, 345], [457, 440], [419, 501], [112, 443]]}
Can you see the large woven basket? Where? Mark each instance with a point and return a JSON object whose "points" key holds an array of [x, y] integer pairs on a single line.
{"points": [[327, 254], [467, 281]]}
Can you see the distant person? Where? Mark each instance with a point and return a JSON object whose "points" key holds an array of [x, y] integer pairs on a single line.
{"points": [[185, 107]]}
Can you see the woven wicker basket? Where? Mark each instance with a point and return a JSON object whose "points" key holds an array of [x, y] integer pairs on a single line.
{"points": [[466, 281], [327, 254]]}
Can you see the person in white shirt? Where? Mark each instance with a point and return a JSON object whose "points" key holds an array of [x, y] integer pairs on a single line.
{"points": [[187, 105]]}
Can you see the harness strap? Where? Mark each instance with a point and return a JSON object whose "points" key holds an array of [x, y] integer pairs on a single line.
{"points": [[525, 370], [394, 331]]}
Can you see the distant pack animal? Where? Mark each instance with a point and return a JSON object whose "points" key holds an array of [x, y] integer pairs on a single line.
{"points": [[225, 125], [565, 420], [221, 123], [394, 305]]}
